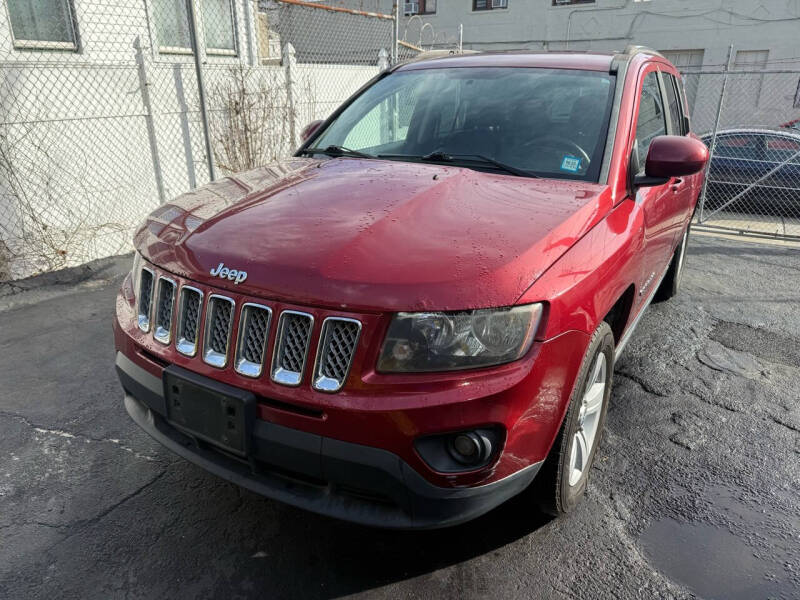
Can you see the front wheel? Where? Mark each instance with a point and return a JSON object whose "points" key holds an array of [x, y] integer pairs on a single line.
{"points": [[562, 481]]}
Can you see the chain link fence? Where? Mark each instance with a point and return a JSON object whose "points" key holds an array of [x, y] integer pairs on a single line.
{"points": [[108, 110], [750, 120]]}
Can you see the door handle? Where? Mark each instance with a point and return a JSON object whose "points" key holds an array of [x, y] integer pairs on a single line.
{"points": [[677, 184]]}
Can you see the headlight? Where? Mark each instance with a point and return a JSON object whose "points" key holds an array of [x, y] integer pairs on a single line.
{"points": [[444, 341]]}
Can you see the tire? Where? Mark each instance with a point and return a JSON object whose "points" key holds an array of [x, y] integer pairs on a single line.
{"points": [[671, 284], [559, 487]]}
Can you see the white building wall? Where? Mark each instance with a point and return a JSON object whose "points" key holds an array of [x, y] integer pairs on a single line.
{"points": [[704, 28], [94, 139]]}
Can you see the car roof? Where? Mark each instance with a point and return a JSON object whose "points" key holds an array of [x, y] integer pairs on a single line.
{"points": [[595, 61], [754, 130], [588, 61]]}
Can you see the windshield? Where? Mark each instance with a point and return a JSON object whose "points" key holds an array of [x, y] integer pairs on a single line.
{"points": [[546, 122]]}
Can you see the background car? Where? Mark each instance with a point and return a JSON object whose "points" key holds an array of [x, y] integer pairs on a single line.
{"points": [[793, 124], [760, 166]]}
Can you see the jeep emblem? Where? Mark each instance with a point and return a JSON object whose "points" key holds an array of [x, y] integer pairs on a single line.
{"points": [[233, 275]]}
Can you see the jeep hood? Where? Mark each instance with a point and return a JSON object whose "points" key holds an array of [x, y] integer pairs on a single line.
{"points": [[373, 234]]}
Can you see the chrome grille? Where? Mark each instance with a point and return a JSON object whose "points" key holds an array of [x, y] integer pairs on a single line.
{"points": [[291, 351], [145, 298], [191, 302], [337, 345], [219, 318], [162, 304], [164, 307], [253, 334]]}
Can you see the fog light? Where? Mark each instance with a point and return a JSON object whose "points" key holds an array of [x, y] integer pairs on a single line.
{"points": [[469, 447], [460, 451]]}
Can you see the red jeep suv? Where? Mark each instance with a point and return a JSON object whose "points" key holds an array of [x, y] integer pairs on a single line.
{"points": [[416, 317]]}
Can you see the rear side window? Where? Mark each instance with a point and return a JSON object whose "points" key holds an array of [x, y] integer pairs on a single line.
{"points": [[782, 150], [651, 122], [741, 146], [675, 116]]}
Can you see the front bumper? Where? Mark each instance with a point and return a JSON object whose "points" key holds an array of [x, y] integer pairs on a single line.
{"points": [[340, 479]]}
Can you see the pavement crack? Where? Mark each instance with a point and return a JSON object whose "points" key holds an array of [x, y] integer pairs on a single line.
{"points": [[79, 525], [779, 421], [70, 435], [711, 402], [641, 383]]}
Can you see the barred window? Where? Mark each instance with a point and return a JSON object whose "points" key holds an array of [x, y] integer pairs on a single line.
{"points": [[42, 24], [489, 4], [427, 7]]}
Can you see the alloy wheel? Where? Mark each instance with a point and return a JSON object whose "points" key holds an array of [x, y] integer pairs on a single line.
{"points": [[588, 420]]}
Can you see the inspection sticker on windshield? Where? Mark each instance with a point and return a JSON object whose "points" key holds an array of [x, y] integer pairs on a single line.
{"points": [[571, 164]]}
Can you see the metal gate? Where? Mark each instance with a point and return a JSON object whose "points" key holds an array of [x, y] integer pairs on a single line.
{"points": [[750, 120]]}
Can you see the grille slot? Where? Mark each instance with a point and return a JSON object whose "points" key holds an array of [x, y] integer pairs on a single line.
{"points": [[165, 303], [253, 333], [337, 345], [219, 319], [191, 302], [291, 350], [145, 298]]}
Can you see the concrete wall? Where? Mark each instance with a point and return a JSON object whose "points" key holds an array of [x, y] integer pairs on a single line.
{"points": [[611, 25], [694, 34]]}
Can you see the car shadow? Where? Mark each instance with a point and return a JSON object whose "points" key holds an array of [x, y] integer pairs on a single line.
{"points": [[315, 556]]}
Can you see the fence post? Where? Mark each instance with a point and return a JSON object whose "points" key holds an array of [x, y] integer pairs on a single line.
{"points": [[201, 90], [144, 87], [289, 68], [383, 60], [396, 33], [717, 119], [461, 38]]}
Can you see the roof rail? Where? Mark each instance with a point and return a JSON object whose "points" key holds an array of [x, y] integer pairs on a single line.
{"points": [[431, 54], [632, 49]]}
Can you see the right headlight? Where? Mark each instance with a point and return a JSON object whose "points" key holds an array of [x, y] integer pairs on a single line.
{"points": [[445, 341]]}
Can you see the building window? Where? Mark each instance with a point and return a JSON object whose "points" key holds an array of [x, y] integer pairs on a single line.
{"points": [[217, 21], [172, 25], [569, 2], [747, 86], [427, 7], [489, 4], [218, 27], [47, 24], [689, 63], [419, 7]]}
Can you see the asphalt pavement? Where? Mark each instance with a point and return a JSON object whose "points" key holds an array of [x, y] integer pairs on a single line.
{"points": [[695, 492]]}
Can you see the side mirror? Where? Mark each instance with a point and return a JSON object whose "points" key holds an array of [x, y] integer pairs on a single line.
{"points": [[671, 156], [309, 129]]}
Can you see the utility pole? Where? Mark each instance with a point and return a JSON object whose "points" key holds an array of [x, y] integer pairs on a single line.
{"points": [[201, 90]]}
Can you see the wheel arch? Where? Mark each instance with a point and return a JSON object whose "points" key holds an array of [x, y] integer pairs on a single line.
{"points": [[619, 314]]}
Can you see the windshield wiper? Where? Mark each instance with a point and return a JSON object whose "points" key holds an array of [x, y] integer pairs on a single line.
{"points": [[337, 151], [439, 156], [446, 157]]}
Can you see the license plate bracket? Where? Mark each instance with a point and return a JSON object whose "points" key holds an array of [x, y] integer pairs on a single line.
{"points": [[214, 412]]}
